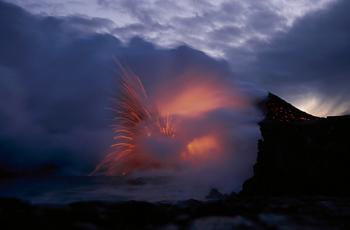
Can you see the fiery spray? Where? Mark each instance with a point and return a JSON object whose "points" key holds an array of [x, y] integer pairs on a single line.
{"points": [[135, 116]]}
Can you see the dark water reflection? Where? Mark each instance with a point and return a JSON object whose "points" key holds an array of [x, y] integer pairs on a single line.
{"points": [[71, 189]]}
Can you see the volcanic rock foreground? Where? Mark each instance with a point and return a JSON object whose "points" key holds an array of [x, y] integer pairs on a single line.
{"points": [[300, 154], [230, 213]]}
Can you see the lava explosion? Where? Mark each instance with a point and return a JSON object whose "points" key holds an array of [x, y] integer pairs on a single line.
{"points": [[135, 116], [184, 123]]}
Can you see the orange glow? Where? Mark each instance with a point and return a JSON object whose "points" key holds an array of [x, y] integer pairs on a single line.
{"points": [[142, 121], [194, 101], [196, 97], [202, 148]]}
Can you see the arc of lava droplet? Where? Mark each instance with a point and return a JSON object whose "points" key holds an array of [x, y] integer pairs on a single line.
{"points": [[133, 113]]}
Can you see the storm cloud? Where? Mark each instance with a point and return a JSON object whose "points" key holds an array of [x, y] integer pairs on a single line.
{"points": [[215, 27]]}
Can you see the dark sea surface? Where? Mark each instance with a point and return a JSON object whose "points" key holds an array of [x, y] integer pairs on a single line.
{"points": [[85, 188]]}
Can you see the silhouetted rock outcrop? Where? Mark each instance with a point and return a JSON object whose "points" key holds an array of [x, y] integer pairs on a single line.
{"points": [[300, 153]]}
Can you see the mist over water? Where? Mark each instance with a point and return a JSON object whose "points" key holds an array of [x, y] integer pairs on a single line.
{"points": [[58, 190]]}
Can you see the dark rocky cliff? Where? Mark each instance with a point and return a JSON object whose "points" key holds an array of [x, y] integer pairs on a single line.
{"points": [[300, 154]]}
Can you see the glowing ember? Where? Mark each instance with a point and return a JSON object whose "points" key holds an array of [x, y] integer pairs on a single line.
{"points": [[155, 135]]}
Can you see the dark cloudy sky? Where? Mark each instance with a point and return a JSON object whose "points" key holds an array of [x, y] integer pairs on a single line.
{"points": [[297, 49], [215, 27], [57, 70]]}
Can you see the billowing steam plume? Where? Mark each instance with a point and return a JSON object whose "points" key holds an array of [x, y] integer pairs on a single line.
{"points": [[194, 123]]}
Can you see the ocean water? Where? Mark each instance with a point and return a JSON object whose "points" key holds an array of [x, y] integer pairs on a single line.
{"points": [[72, 189]]}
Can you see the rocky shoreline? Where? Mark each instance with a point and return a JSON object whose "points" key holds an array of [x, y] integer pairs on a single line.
{"points": [[232, 212]]}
